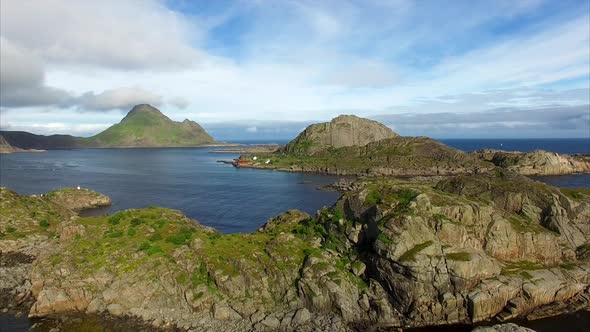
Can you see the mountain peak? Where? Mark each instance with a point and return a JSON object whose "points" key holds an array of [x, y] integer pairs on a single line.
{"points": [[145, 111], [341, 131], [146, 126], [144, 108]]}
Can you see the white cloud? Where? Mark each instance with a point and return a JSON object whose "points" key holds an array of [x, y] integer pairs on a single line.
{"points": [[364, 74], [18, 67], [122, 98], [50, 128], [252, 129], [179, 102], [22, 78], [302, 61], [124, 34]]}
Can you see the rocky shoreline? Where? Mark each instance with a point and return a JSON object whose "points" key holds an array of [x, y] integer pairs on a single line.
{"points": [[389, 254], [349, 145]]}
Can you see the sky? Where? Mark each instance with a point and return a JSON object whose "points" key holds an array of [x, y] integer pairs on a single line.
{"points": [[265, 69]]}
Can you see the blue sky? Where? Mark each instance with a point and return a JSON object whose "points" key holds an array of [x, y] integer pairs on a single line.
{"points": [[266, 69]]}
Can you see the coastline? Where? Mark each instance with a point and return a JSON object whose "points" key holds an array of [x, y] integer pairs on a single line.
{"points": [[91, 229]]}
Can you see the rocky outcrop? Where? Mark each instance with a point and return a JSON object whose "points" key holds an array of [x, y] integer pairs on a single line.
{"points": [[508, 327], [389, 254], [5, 147], [537, 162], [342, 131], [78, 199]]}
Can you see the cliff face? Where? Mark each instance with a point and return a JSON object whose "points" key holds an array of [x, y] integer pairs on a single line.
{"points": [[5, 147], [535, 163], [389, 253], [342, 131]]}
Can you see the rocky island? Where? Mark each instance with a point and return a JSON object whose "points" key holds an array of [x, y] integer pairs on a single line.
{"points": [[349, 145], [143, 126]]}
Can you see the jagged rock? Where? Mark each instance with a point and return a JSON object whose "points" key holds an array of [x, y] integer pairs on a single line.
{"points": [[389, 254], [537, 162], [224, 312], [508, 327], [271, 322], [115, 309], [358, 268], [78, 199], [302, 316]]}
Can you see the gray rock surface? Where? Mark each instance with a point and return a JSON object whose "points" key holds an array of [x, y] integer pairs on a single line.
{"points": [[508, 327], [342, 131], [389, 254], [537, 162]]}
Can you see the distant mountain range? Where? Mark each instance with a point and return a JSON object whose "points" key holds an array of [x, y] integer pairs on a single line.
{"points": [[143, 126]]}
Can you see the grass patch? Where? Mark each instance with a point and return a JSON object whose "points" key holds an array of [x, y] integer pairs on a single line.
{"points": [[577, 194], [410, 255], [525, 225], [383, 238], [374, 197], [184, 236], [155, 237], [459, 256], [521, 269]]}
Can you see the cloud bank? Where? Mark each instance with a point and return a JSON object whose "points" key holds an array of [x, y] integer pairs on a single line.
{"points": [[293, 62]]}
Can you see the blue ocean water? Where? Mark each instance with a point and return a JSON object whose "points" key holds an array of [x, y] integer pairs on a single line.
{"points": [[559, 145], [188, 179]]}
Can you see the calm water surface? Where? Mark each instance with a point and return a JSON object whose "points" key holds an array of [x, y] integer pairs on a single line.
{"points": [[188, 179], [559, 145], [218, 195]]}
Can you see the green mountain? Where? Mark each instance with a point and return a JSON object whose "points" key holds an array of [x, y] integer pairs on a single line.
{"points": [[144, 126]]}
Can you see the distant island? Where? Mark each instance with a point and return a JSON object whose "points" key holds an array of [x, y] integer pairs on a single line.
{"points": [[144, 126], [6, 148], [350, 145]]}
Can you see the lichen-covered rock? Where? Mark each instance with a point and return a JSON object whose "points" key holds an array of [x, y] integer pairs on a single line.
{"points": [[537, 162], [388, 254], [78, 199]]}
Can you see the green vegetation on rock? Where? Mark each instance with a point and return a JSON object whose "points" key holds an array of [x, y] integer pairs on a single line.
{"points": [[459, 256], [146, 126], [397, 245], [410, 255]]}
